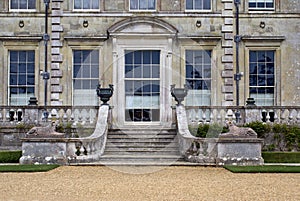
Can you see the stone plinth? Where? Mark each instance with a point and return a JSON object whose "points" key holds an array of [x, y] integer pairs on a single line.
{"points": [[239, 151], [45, 151]]}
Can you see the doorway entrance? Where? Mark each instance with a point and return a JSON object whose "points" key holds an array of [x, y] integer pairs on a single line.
{"points": [[142, 85]]}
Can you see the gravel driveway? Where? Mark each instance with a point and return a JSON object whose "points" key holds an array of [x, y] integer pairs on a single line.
{"points": [[169, 183]]}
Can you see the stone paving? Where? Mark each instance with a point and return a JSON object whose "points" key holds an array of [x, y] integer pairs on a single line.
{"points": [[159, 183]]}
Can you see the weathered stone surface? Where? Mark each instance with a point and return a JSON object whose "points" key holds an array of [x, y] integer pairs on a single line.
{"points": [[56, 89], [238, 132], [44, 132]]}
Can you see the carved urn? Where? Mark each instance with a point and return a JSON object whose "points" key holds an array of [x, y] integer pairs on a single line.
{"points": [[105, 93], [179, 93]]}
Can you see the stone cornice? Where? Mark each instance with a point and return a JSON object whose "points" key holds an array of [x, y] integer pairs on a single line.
{"points": [[94, 38], [21, 37], [263, 38]]}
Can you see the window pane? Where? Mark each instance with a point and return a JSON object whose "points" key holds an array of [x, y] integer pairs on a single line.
{"points": [[86, 4], [31, 4], [14, 4], [189, 4], [156, 57], [77, 4]]}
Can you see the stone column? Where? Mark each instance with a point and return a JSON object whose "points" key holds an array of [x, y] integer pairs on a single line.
{"points": [[56, 56], [227, 57]]}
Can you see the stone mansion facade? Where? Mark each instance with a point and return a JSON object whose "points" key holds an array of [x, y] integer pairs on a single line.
{"points": [[144, 46]]}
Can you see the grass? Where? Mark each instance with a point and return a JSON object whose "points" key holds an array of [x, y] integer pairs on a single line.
{"points": [[27, 168], [10, 156], [263, 169], [281, 157]]}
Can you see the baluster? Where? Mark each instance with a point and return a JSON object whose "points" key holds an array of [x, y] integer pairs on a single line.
{"points": [[196, 115], [268, 116], [275, 116], [282, 116], [82, 150], [15, 115], [80, 116], [291, 117], [204, 115], [298, 116], [229, 115], [54, 115], [1, 117], [212, 116], [88, 148], [7, 116]]}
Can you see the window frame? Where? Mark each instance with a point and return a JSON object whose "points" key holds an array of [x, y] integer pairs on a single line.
{"points": [[142, 10], [198, 10], [264, 9], [72, 70], [86, 10], [268, 46], [23, 10], [203, 45], [265, 86], [35, 85]]}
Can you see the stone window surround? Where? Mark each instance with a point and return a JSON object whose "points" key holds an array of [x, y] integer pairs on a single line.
{"points": [[214, 69], [23, 10], [141, 10], [276, 8], [199, 10], [32, 44], [83, 44], [85, 10], [263, 43]]}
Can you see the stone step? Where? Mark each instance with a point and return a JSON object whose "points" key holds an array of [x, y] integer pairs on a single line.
{"points": [[139, 157], [135, 136], [141, 140], [143, 131]]}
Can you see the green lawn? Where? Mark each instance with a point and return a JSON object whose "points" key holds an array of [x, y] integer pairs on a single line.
{"points": [[281, 157], [27, 168], [263, 169]]}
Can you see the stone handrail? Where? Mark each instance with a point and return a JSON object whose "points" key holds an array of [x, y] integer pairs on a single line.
{"points": [[62, 150], [215, 150], [92, 147], [185, 137]]}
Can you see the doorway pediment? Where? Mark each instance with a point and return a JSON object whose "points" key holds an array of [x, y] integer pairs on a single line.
{"points": [[142, 26]]}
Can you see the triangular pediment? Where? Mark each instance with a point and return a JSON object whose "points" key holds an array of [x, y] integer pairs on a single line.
{"points": [[142, 25]]}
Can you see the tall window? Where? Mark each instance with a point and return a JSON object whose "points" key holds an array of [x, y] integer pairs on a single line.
{"points": [[142, 4], [198, 77], [21, 76], [142, 85], [262, 77], [261, 4], [198, 5], [23, 4], [85, 77]]}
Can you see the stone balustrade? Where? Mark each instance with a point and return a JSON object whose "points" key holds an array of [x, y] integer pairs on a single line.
{"points": [[36, 114], [219, 114]]}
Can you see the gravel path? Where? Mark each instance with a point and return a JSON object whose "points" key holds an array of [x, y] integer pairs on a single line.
{"points": [[170, 183]]}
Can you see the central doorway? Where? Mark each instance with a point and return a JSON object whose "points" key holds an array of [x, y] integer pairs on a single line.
{"points": [[142, 85]]}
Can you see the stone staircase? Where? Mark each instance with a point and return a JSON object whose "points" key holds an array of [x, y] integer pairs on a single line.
{"points": [[137, 146]]}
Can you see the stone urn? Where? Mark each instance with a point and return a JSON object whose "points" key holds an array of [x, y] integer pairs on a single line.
{"points": [[179, 93], [105, 93]]}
